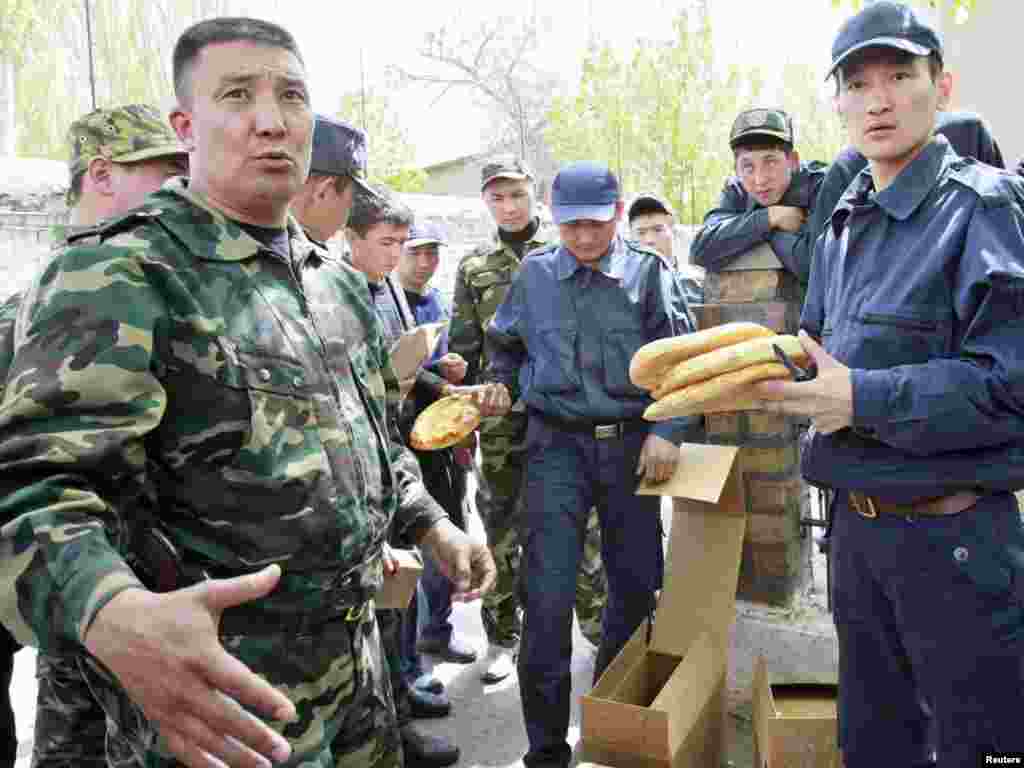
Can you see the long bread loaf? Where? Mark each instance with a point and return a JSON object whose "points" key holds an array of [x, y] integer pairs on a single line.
{"points": [[652, 361], [721, 393], [727, 359]]}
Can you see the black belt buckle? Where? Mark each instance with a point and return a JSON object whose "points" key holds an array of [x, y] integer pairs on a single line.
{"points": [[607, 431], [798, 373]]}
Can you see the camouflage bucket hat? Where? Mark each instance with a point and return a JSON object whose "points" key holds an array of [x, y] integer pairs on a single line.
{"points": [[125, 134], [773, 123]]}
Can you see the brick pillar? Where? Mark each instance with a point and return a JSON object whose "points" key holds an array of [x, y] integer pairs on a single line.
{"points": [[774, 552]]}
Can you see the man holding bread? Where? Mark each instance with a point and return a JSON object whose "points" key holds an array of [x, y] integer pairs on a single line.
{"points": [[917, 295], [562, 341]]}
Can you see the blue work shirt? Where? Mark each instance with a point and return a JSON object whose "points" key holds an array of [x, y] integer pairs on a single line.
{"points": [[919, 290], [566, 349]]}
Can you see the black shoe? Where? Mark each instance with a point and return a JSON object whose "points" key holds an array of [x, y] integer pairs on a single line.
{"points": [[425, 751], [423, 703], [454, 650]]}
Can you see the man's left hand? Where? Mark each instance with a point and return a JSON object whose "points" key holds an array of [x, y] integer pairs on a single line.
{"points": [[466, 562], [453, 367], [827, 399], [658, 459], [492, 399]]}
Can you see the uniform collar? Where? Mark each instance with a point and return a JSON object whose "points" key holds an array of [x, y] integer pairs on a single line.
{"points": [[611, 264], [210, 235], [913, 184]]}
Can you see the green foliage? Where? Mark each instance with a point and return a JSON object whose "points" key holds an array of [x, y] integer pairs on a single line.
{"points": [[953, 6], [391, 155], [132, 43]]}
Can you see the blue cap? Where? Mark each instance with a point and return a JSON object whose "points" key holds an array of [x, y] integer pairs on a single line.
{"points": [[584, 190], [339, 149], [886, 24], [426, 233]]}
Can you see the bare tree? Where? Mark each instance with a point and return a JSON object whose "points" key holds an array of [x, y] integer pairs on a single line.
{"points": [[498, 61]]}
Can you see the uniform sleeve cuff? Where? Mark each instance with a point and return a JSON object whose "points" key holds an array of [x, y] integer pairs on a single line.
{"points": [[870, 397], [99, 588]]}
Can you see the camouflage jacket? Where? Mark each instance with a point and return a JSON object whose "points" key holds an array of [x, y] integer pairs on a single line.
{"points": [[181, 374], [481, 281]]}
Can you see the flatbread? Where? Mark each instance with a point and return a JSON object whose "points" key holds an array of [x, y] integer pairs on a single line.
{"points": [[444, 423], [726, 392]]}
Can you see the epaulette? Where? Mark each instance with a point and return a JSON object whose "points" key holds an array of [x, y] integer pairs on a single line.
{"points": [[994, 186], [550, 248], [110, 227]]}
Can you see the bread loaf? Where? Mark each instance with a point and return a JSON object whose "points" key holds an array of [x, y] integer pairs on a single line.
{"points": [[727, 359], [721, 393], [652, 361]]}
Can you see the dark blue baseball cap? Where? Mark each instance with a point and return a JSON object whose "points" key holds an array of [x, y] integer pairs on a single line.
{"points": [[886, 24], [426, 233], [339, 149], [584, 190]]}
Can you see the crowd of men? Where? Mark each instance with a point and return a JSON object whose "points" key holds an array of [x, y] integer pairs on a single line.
{"points": [[204, 445]]}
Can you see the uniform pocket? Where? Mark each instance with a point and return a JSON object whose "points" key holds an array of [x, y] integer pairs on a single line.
{"points": [[900, 336], [554, 364], [618, 349]]}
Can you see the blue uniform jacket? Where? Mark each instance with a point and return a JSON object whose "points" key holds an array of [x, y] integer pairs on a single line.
{"points": [[739, 223], [567, 350], [919, 289]]}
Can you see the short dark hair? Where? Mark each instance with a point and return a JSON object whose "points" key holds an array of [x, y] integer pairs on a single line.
{"points": [[340, 181], [225, 29], [896, 55], [379, 207], [758, 143]]}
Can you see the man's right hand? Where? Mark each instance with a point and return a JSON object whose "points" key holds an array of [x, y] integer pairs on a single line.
{"points": [[787, 218], [164, 650]]}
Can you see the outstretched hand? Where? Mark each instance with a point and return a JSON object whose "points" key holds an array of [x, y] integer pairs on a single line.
{"points": [[164, 650]]}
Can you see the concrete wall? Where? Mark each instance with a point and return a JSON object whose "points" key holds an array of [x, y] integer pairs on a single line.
{"points": [[460, 178], [980, 54]]}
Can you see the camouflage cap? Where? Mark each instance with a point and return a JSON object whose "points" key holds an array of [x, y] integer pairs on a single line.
{"points": [[125, 134], [767, 123], [503, 167], [339, 149]]}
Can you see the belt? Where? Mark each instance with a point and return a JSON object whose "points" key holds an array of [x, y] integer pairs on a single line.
{"points": [[610, 431], [938, 506]]}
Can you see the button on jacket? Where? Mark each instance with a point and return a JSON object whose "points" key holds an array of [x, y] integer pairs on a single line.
{"points": [[739, 223], [919, 289], [566, 349]]}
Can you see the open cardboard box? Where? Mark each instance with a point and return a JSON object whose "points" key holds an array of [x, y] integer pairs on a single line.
{"points": [[794, 723], [399, 588], [663, 704]]}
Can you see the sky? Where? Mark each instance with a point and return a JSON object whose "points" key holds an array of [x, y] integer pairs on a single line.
{"points": [[341, 41]]}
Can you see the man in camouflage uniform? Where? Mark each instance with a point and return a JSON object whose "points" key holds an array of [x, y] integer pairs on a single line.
{"points": [[117, 157], [204, 394], [481, 282]]}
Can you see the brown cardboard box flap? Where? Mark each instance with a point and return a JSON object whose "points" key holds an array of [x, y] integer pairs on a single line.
{"points": [[701, 473], [793, 721], [399, 588], [413, 347]]}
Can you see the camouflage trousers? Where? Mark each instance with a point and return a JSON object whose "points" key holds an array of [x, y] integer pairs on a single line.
{"points": [[498, 499], [70, 727], [334, 673]]}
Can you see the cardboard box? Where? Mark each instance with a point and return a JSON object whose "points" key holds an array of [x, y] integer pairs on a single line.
{"points": [[662, 704], [794, 723], [400, 587]]}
